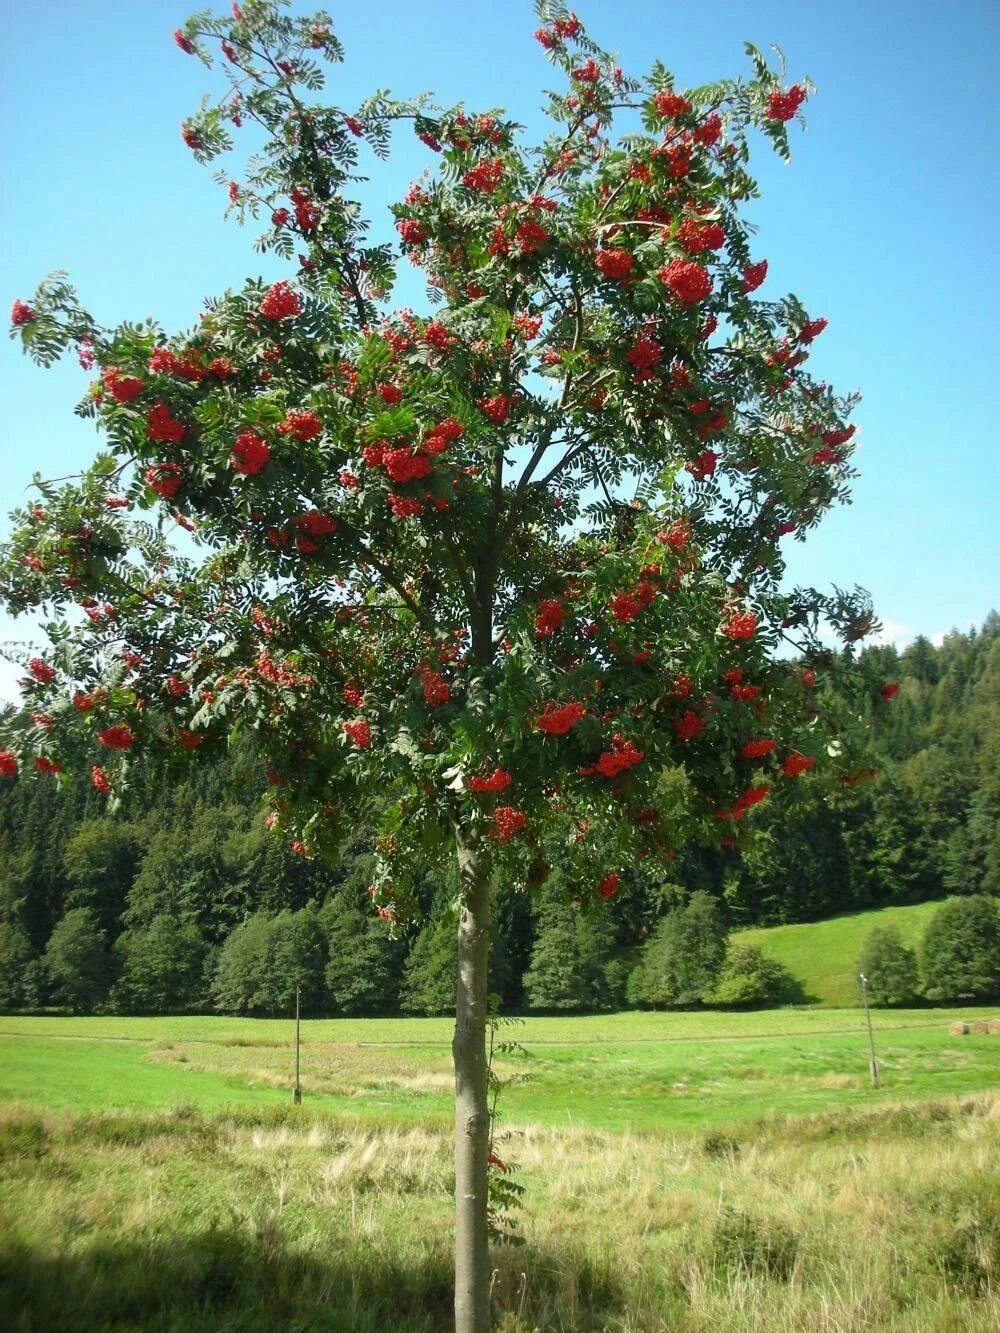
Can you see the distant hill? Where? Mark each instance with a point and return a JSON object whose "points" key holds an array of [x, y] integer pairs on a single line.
{"points": [[823, 955]]}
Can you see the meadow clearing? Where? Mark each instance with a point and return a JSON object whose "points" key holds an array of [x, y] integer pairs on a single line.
{"points": [[682, 1171], [823, 955]]}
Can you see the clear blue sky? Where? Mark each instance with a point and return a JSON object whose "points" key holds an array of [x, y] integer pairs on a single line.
{"points": [[882, 223]]}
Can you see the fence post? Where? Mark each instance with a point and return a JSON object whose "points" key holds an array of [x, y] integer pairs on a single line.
{"points": [[873, 1061], [297, 1094]]}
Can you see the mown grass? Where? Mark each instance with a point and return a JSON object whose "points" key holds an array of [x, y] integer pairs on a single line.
{"points": [[622, 1073], [824, 955], [877, 1218], [574, 1029]]}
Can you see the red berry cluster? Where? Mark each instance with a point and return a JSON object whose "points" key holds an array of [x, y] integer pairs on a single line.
{"points": [[498, 780], [508, 821], [250, 454], [687, 280], [784, 105], [557, 719], [280, 302]]}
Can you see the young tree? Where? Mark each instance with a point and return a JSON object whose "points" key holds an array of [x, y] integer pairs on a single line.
{"points": [[479, 575], [749, 978], [889, 966]]}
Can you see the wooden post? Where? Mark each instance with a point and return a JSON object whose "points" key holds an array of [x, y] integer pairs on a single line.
{"points": [[297, 1094], [873, 1061]]}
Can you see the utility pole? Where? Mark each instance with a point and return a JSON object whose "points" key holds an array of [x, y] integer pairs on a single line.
{"points": [[297, 1094], [873, 1061]]}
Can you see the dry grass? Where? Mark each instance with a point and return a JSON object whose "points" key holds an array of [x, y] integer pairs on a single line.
{"points": [[875, 1219]]}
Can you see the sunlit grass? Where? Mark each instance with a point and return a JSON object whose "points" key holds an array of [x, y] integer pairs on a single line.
{"points": [[824, 955], [287, 1217], [688, 1172], [624, 1073]]}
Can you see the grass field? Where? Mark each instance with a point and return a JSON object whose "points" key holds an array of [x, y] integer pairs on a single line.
{"points": [[683, 1171], [625, 1073], [823, 955]]}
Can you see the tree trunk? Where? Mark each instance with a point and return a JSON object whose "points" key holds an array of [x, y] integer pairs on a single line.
{"points": [[472, 1253]]}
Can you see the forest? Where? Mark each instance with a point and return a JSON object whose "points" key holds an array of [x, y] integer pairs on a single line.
{"points": [[186, 902]]}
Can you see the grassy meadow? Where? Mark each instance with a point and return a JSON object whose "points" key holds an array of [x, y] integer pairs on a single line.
{"points": [[824, 955], [624, 1073], [682, 1171]]}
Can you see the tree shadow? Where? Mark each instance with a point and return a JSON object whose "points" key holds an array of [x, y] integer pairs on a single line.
{"points": [[793, 991], [228, 1281], [219, 1280]]}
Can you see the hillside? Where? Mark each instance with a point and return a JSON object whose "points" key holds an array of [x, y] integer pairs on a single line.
{"points": [[823, 955]]}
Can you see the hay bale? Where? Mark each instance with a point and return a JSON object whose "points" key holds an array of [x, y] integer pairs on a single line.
{"points": [[980, 1027], [995, 1027], [959, 1029]]}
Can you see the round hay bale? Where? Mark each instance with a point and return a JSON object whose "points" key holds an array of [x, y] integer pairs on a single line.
{"points": [[980, 1027], [995, 1027], [959, 1029]]}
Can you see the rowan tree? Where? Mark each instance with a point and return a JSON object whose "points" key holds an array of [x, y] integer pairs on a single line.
{"points": [[500, 578]]}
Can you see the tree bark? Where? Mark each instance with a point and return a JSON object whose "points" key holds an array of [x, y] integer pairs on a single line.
{"points": [[472, 1120]]}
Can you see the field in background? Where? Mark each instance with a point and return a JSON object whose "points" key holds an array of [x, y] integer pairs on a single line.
{"points": [[633, 1072], [824, 955]]}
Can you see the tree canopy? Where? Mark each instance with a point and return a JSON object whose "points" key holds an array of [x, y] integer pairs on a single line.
{"points": [[501, 563]]}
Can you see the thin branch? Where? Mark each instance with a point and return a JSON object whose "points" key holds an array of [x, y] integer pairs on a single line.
{"points": [[390, 577], [570, 456], [455, 559]]}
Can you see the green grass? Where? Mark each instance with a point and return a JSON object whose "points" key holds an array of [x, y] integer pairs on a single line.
{"points": [[824, 955], [581, 1029], [683, 1171], [625, 1073], [190, 1222]]}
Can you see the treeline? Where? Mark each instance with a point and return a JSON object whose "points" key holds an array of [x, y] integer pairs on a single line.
{"points": [[958, 957], [187, 902]]}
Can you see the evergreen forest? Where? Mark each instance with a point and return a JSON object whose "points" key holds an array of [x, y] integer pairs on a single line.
{"points": [[186, 902]]}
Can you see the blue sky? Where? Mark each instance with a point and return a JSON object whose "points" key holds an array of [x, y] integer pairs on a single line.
{"points": [[882, 223]]}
